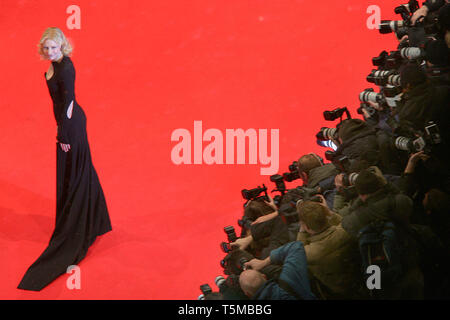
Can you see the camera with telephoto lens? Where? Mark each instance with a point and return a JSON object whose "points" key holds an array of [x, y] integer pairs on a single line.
{"points": [[372, 96], [293, 173], [349, 179], [400, 27], [424, 142], [412, 53], [389, 26], [336, 113], [384, 78], [327, 134]]}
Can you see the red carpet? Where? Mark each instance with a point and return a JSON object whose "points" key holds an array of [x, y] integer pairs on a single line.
{"points": [[145, 69]]}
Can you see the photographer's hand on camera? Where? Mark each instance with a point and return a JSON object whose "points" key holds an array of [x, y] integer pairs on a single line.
{"points": [[419, 13], [257, 264], [242, 243], [413, 160]]}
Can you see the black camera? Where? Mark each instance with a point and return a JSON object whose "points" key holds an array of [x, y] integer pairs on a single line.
{"points": [[341, 162], [245, 223], [231, 233], [336, 113], [226, 247], [234, 262], [372, 112], [254, 194], [232, 237], [380, 60], [293, 173], [205, 289], [288, 213], [279, 182]]}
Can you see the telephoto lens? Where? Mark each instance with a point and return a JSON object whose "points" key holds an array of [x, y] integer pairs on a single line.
{"points": [[403, 143], [378, 77], [220, 281], [406, 144], [389, 26], [349, 180], [369, 95], [394, 80], [412, 53], [326, 134]]}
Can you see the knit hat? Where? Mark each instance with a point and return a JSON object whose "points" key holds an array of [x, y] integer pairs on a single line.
{"points": [[350, 127], [412, 74], [369, 181], [437, 52]]}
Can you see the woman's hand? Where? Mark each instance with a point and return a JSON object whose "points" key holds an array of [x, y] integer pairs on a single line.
{"points": [[271, 203], [65, 147]]}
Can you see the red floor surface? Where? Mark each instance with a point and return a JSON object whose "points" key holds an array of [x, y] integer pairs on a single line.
{"points": [[144, 69]]}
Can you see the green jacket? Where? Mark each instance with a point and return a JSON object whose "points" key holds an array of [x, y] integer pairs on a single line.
{"points": [[321, 173], [334, 264], [378, 206]]}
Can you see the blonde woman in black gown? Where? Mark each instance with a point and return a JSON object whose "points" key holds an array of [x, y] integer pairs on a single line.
{"points": [[81, 210]]}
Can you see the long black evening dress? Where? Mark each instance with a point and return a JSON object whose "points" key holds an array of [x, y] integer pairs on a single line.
{"points": [[81, 210]]}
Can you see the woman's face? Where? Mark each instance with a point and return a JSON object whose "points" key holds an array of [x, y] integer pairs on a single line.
{"points": [[51, 50]]}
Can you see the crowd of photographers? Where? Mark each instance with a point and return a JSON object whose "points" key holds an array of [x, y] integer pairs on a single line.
{"points": [[373, 220]]}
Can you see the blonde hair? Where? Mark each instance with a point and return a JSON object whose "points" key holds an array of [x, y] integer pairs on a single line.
{"points": [[56, 35]]}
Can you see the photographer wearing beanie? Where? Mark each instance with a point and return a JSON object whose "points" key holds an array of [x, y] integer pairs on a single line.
{"points": [[375, 202]]}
